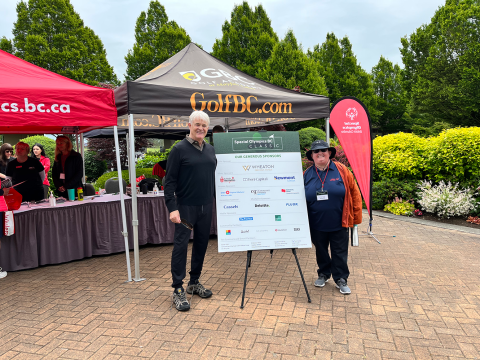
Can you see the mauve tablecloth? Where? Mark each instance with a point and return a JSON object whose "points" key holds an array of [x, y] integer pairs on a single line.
{"points": [[46, 235]]}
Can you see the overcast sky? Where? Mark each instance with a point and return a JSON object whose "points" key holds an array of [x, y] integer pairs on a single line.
{"points": [[374, 27]]}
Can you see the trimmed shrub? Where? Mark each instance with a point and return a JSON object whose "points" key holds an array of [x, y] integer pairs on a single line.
{"points": [[399, 156], [93, 168], [100, 183], [454, 155], [309, 135], [385, 191], [148, 161], [48, 145]]}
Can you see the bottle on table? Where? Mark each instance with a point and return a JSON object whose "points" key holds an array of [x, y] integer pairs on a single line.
{"points": [[80, 193], [155, 190]]}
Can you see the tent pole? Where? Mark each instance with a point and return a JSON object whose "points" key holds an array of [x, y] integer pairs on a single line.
{"points": [[327, 130], [133, 185], [122, 203], [82, 152]]}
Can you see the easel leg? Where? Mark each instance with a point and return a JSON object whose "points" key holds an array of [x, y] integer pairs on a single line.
{"points": [[249, 259], [294, 251]]}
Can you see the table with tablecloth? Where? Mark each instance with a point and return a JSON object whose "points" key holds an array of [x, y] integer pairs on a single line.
{"points": [[76, 230]]}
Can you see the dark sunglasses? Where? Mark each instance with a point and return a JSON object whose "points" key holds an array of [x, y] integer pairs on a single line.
{"points": [[322, 150], [9, 151]]}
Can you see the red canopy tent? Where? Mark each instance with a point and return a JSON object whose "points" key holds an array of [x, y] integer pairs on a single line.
{"points": [[37, 101]]}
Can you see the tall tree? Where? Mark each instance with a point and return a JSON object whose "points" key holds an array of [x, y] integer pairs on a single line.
{"points": [[50, 34], [391, 101], [343, 76], [289, 67], [442, 65], [156, 40], [248, 39]]}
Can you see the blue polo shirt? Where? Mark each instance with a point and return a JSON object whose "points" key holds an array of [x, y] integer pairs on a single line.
{"points": [[324, 215]]}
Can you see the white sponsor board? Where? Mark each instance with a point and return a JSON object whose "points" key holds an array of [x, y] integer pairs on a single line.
{"points": [[261, 202]]}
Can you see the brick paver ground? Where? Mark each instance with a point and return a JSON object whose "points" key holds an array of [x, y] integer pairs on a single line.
{"points": [[415, 296]]}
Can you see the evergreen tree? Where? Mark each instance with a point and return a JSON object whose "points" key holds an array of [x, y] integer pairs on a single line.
{"points": [[343, 76], [156, 40], [50, 34], [288, 66], [247, 41], [387, 84], [442, 65]]}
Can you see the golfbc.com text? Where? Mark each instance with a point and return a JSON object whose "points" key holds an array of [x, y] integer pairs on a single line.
{"points": [[238, 104]]}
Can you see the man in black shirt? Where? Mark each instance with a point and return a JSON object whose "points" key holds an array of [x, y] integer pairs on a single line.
{"points": [[27, 170], [190, 177]]}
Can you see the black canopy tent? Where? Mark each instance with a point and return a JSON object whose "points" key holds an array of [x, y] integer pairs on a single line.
{"points": [[194, 80]]}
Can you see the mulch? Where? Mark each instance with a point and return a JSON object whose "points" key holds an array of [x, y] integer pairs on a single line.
{"points": [[457, 220]]}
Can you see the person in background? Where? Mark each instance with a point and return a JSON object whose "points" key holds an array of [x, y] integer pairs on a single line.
{"points": [[27, 174], [189, 190], [6, 152], [67, 168], [217, 129], [334, 204], [38, 152]]}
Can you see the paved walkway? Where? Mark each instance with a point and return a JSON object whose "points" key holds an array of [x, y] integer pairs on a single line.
{"points": [[415, 296]]}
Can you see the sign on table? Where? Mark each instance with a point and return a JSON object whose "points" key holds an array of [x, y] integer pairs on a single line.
{"points": [[259, 192]]}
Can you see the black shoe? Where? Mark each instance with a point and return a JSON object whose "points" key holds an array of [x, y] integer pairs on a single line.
{"points": [[180, 300], [199, 289]]}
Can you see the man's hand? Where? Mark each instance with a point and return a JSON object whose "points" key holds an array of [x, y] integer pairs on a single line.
{"points": [[175, 217], [61, 189]]}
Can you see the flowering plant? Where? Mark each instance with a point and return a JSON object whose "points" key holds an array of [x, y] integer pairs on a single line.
{"points": [[400, 207], [445, 199], [474, 220], [417, 212]]}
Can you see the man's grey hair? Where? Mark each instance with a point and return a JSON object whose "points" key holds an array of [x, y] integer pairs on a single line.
{"points": [[199, 114]]}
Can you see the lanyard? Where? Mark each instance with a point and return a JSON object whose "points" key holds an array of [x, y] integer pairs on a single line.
{"points": [[323, 182]]}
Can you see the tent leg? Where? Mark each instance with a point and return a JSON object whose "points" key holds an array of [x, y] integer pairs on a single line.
{"points": [[133, 185], [82, 152], [122, 203], [327, 130]]}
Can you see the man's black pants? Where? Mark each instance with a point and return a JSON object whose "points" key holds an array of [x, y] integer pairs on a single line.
{"points": [[201, 218], [336, 266]]}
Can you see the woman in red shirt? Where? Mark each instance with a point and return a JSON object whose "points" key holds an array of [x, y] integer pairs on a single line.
{"points": [[39, 153]]}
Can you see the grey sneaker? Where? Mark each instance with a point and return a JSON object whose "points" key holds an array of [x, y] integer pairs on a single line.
{"points": [[2, 273], [342, 285], [320, 282], [199, 289], [180, 300]]}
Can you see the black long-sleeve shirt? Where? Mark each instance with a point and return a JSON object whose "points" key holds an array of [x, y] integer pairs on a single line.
{"points": [[190, 175]]}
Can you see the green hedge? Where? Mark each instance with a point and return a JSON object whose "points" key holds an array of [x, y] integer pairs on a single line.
{"points": [[100, 183], [387, 190], [399, 156], [454, 155], [309, 135]]}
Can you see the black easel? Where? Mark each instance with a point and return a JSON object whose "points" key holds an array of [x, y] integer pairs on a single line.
{"points": [[249, 262]]}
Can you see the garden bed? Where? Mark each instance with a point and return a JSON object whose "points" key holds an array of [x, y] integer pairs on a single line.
{"points": [[457, 220]]}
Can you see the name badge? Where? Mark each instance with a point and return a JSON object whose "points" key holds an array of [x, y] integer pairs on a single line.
{"points": [[322, 195], [62, 176]]}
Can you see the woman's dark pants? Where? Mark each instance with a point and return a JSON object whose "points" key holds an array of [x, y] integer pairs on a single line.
{"points": [[201, 218], [336, 266]]}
